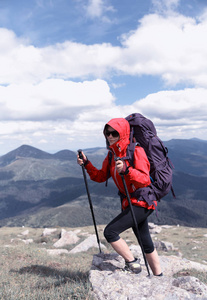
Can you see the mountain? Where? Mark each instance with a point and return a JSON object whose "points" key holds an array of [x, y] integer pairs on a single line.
{"points": [[65, 155], [41, 189], [23, 151], [188, 156]]}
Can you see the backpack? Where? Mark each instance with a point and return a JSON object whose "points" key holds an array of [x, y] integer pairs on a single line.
{"points": [[144, 134]]}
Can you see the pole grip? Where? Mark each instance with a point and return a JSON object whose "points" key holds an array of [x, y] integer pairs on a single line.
{"points": [[80, 154]]}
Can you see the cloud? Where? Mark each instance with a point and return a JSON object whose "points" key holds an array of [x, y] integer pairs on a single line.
{"points": [[53, 99], [181, 114], [165, 6], [160, 46], [97, 9], [59, 96], [163, 46], [176, 114]]}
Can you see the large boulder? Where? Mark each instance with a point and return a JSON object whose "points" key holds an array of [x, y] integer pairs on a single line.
{"points": [[67, 238], [110, 282], [88, 243]]}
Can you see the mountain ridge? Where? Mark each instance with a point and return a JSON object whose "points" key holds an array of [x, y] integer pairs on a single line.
{"points": [[35, 184]]}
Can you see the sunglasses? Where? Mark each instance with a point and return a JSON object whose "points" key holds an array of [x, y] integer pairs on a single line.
{"points": [[113, 133]]}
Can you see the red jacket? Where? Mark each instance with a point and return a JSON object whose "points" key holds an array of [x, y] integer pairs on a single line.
{"points": [[137, 177]]}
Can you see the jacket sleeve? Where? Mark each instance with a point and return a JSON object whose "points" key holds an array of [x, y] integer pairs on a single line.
{"points": [[98, 175], [139, 175]]}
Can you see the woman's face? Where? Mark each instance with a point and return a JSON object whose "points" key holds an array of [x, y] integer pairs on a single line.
{"points": [[112, 135]]}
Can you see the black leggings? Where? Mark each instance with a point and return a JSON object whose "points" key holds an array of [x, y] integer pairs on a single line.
{"points": [[124, 221]]}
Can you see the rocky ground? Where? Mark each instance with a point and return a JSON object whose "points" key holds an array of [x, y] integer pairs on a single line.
{"points": [[110, 282], [182, 252]]}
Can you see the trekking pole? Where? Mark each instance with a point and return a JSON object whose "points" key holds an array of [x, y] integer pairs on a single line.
{"points": [[89, 199], [135, 221]]}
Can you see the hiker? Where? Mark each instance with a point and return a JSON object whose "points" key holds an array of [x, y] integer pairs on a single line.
{"points": [[117, 132]]}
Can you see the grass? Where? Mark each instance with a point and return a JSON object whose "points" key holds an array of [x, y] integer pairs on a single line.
{"points": [[32, 274], [27, 272]]}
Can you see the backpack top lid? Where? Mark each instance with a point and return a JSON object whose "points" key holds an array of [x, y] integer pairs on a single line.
{"points": [[138, 121]]}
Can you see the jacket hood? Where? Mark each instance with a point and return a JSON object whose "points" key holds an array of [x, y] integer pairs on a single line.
{"points": [[122, 126]]}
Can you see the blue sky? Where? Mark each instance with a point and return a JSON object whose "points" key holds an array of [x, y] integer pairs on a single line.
{"points": [[69, 66]]}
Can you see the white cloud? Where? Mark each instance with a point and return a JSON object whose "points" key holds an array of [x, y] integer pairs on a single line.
{"points": [[176, 114], [176, 105], [42, 105], [172, 47], [52, 99], [97, 9], [165, 6]]}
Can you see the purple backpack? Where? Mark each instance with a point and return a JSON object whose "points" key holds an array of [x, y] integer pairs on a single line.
{"points": [[143, 133]]}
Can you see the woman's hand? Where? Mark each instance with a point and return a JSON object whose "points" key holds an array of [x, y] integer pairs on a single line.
{"points": [[119, 166], [81, 161]]}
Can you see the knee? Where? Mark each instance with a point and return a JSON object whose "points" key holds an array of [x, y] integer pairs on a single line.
{"points": [[110, 235], [149, 248]]}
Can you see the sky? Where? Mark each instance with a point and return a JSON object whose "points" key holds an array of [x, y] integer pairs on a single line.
{"points": [[69, 66]]}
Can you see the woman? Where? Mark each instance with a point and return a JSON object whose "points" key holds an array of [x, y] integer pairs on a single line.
{"points": [[117, 133]]}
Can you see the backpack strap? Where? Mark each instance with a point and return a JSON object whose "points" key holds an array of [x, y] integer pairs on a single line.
{"points": [[131, 147]]}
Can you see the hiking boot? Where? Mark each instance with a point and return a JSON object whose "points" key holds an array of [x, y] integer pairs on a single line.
{"points": [[133, 266]]}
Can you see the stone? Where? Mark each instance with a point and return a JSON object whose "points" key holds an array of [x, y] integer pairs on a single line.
{"points": [[110, 282], [90, 242], [154, 229], [67, 238], [164, 246], [48, 231], [26, 232], [191, 284], [166, 226], [27, 241]]}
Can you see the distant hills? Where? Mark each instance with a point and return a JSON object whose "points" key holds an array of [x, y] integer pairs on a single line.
{"points": [[39, 189]]}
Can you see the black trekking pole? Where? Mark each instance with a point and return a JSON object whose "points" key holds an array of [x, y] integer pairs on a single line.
{"points": [[135, 221], [89, 199]]}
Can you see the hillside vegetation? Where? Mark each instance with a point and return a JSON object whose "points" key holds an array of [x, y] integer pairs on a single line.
{"points": [[39, 189]]}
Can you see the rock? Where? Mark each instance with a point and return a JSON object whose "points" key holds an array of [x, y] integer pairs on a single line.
{"points": [[26, 232], [57, 251], [136, 251], [154, 229], [151, 225], [164, 246], [67, 238], [91, 241], [110, 282], [48, 231], [191, 284], [173, 264], [166, 226], [27, 241]]}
